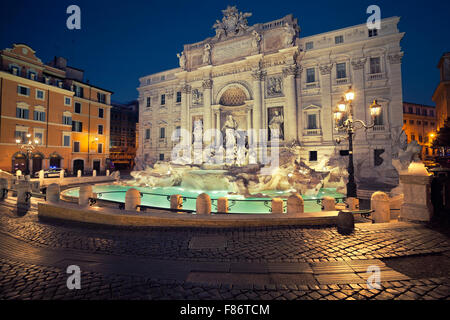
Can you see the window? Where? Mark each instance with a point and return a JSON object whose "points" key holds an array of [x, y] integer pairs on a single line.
{"points": [[66, 140], [59, 83], [149, 101], [78, 91], [431, 113], [178, 96], [163, 78], [377, 160], [373, 33], [375, 65], [411, 121], [100, 148], [310, 75], [15, 70], [424, 112], [425, 139], [101, 97], [339, 39], [312, 124], [313, 156], [21, 134], [404, 121], [419, 122], [22, 113], [147, 134], [378, 120], [67, 101], [162, 133], [413, 137], [100, 129], [67, 120], [39, 136], [410, 110], [425, 123], [161, 157], [32, 75], [39, 115], [432, 124], [163, 99], [76, 146], [341, 71], [23, 91], [77, 126], [420, 138], [100, 112], [77, 107], [309, 45], [39, 94], [418, 111]]}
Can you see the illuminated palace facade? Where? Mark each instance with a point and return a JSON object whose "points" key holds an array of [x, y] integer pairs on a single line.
{"points": [[266, 71]]}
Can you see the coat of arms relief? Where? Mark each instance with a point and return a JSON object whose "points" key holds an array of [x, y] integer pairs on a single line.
{"points": [[233, 23]]}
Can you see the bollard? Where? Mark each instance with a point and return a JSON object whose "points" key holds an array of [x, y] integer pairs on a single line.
{"points": [[94, 173], [35, 186], [3, 189], [352, 203], [328, 204], [176, 201], [79, 174], [295, 204], [18, 174], [379, 202], [277, 206], [222, 205], [203, 204], [52, 193], [345, 222], [132, 199], [61, 175], [83, 195], [27, 177], [23, 197], [41, 177], [107, 172]]}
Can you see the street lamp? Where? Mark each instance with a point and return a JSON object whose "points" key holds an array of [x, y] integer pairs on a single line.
{"points": [[349, 125], [28, 146]]}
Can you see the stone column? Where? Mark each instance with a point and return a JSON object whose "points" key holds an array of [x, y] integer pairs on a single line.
{"points": [[258, 76], [395, 110], [185, 92], [249, 124], [290, 112], [207, 86], [327, 108], [360, 106]]}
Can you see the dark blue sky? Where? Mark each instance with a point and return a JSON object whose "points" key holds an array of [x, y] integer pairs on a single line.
{"points": [[120, 41]]}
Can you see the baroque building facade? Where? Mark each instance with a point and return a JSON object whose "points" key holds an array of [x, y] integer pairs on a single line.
{"points": [[267, 74]]}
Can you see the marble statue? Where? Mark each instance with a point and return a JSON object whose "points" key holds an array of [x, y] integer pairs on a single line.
{"points": [[290, 35], [182, 60], [256, 42], [276, 124], [229, 129], [207, 54]]}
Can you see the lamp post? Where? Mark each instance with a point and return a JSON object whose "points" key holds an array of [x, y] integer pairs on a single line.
{"points": [[28, 146], [349, 125]]}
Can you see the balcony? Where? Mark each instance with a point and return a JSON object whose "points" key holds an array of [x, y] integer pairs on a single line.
{"points": [[311, 85], [342, 81], [375, 76], [378, 127], [312, 132]]}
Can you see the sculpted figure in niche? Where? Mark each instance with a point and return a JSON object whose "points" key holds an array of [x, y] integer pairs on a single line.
{"points": [[229, 130], [207, 54], [182, 60], [276, 123], [256, 42], [290, 35]]}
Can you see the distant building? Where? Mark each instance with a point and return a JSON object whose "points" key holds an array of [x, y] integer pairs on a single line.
{"points": [[124, 118], [419, 124], [52, 103], [441, 95]]}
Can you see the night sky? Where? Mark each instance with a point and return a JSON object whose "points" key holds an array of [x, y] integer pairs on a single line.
{"points": [[120, 41]]}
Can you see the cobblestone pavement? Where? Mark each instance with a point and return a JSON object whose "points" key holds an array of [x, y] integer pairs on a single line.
{"points": [[26, 277]]}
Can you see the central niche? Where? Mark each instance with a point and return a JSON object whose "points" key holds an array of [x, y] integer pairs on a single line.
{"points": [[233, 96]]}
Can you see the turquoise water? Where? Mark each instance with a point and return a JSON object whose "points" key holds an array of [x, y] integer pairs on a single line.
{"points": [[157, 197]]}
